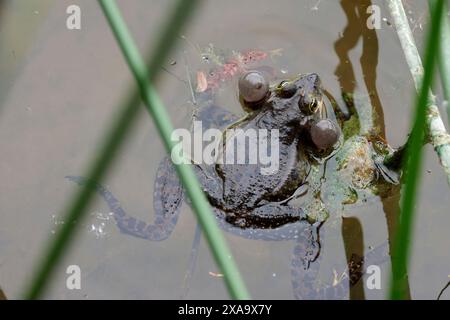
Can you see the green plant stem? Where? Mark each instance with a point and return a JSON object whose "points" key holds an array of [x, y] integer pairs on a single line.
{"points": [[444, 55], [412, 165], [436, 132], [114, 139], [200, 204]]}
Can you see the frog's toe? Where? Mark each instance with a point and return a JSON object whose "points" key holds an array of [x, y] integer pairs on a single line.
{"points": [[305, 263], [308, 245], [78, 180]]}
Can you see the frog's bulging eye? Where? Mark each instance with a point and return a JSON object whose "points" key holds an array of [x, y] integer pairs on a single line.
{"points": [[253, 87], [308, 104], [313, 106], [287, 89], [324, 134]]}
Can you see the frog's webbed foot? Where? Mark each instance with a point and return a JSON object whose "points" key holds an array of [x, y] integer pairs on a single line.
{"points": [[342, 113], [307, 247], [388, 174], [387, 161], [305, 266], [168, 198], [305, 262], [394, 160], [306, 284]]}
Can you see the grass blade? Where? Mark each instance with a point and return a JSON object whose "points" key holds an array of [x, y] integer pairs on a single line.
{"points": [[444, 54], [199, 202], [114, 139], [412, 165]]}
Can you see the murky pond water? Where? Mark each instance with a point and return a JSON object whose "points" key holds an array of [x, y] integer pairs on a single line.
{"points": [[59, 89]]}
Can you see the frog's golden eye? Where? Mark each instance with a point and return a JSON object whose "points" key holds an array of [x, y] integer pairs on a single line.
{"points": [[308, 104], [313, 106], [253, 87], [286, 89]]}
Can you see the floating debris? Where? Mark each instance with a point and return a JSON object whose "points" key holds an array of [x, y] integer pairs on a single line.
{"points": [[99, 228], [217, 275], [202, 83], [237, 64], [316, 6], [56, 220]]}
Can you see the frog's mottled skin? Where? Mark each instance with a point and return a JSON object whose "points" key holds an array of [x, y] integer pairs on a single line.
{"points": [[295, 211]]}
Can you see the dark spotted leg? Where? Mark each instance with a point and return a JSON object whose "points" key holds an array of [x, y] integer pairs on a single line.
{"points": [[304, 275], [305, 263], [288, 231], [269, 216], [167, 202]]}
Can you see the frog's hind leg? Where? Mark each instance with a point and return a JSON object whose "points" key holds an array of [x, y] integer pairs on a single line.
{"points": [[268, 216], [306, 285], [192, 261], [286, 232], [305, 282], [168, 198], [305, 263]]}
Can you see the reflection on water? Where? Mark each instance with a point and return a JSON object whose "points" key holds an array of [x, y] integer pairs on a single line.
{"points": [[352, 233], [358, 14]]}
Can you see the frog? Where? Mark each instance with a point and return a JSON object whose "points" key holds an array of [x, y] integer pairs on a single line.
{"points": [[246, 197], [237, 194], [246, 202]]}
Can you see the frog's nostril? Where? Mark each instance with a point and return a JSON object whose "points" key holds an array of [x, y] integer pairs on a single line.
{"points": [[314, 78]]}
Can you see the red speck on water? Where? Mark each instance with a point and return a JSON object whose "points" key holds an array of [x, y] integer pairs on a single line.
{"points": [[236, 65]]}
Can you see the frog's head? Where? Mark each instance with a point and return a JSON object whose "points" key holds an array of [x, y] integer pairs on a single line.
{"points": [[292, 104], [309, 90], [302, 94]]}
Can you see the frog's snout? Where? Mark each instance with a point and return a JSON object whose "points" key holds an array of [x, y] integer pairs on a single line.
{"points": [[311, 94], [315, 86], [314, 79]]}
